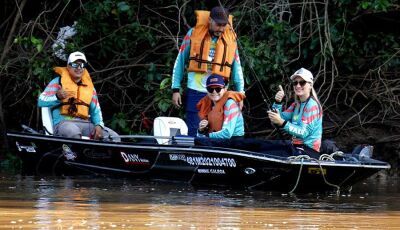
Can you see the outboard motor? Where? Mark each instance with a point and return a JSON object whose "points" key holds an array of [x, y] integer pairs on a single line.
{"points": [[366, 152], [363, 151]]}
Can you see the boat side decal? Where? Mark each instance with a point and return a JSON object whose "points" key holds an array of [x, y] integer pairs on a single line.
{"points": [[130, 158], [205, 161], [26, 148], [68, 153], [316, 171], [211, 171]]}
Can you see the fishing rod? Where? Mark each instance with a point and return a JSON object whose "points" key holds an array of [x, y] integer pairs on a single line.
{"points": [[261, 89], [263, 93]]}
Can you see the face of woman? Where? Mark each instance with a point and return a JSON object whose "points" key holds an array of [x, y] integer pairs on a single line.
{"points": [[301, 88], [215, 93]]}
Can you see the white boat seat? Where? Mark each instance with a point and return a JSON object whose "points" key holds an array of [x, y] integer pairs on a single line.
{"points": [[168, 127], [47, 122]]}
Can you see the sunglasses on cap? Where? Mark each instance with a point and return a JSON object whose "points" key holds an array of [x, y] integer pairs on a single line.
{"points": [[211, 90], [302, 83], [76, 65]]}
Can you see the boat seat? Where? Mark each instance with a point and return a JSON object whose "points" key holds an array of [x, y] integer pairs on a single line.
{"points": [[168, 127], [47, 122]]}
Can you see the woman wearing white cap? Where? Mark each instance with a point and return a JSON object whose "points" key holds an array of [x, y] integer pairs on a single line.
{"points": [[303, 118]]}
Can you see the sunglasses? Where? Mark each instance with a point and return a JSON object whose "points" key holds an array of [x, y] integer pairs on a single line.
{"points": [[76, 65], [211, 90], [302, 83]]}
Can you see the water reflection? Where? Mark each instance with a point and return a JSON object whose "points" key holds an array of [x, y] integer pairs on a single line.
{"points": [[101, 203]]}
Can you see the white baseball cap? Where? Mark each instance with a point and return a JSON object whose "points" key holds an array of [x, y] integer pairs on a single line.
{"points": [[76, 56], [303, 73]]}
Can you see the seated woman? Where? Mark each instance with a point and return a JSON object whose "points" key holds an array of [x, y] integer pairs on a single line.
{"points": [[219, 112], [303, 118]]}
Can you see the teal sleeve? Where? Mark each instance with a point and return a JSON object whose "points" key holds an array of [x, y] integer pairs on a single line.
{"points": [[96, 116], [180, 62], [237, 73], [48, 97]]}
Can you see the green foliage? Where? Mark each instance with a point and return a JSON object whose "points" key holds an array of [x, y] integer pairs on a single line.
{"points": [[163, 95], [30, 42], [375, 5], [132, 45], [120, 122]]}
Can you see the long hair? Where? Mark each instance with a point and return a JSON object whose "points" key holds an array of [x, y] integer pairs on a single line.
{"points": [[313, 94]]}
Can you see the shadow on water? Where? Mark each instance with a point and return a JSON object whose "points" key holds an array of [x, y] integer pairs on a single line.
{"points": [[36, 201]]}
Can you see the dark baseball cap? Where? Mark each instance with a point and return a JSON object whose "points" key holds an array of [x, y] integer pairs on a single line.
{"points": [[215, 80], [220, 15]]}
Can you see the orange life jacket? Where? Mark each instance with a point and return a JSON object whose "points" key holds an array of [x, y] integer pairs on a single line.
{"points": [[215, 114], [200, 47], [77, 106]]}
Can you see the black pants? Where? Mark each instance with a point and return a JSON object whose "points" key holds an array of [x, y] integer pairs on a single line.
{"points": [[305, 150]]}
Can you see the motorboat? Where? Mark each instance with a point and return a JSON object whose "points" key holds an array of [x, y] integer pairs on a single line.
{"points": [[169, 154]]}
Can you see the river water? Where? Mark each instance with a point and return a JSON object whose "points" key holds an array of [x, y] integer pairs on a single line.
{"points": [[109, 203]]}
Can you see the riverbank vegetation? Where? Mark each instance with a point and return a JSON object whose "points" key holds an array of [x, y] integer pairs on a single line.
{"points": [[352, 47]]}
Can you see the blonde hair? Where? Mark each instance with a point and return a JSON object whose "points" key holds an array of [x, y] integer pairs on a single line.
{"points": [[313, 94]]}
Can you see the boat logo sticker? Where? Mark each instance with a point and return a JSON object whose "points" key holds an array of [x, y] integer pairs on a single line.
{"points": [[249, 171], [176, 157], [134, 159], [68, 154], [316, 171], [27, 148]]}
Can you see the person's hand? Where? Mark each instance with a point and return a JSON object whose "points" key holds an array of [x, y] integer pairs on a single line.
{"points": [[279, 95], [275, 117], [202, 125], [176, 99], [62, 94], [98, 132]]}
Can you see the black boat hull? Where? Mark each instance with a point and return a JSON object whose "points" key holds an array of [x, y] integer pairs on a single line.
{"points": [[197, 165]]}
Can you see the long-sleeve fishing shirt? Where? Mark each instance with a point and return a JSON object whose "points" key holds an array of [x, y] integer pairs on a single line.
{"points": [[48, 98], [233, 124], [303, 122]]}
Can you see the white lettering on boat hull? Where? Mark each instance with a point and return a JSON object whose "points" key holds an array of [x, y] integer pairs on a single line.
{"points": [[205, 161], [134, 159]]}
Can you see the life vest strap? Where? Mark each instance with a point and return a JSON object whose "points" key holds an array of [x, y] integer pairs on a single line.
{"points": [[209, 62], [72, 103]]}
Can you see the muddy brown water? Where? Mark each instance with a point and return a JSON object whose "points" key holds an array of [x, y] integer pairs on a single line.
{"points": [[107, 203]]}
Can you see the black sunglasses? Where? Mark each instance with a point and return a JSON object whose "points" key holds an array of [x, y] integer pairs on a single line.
{"points": [[302, 83], [210, 90], [76, 65]]}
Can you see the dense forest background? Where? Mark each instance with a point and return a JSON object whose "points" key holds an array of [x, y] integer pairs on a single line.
{"points": [[352, 47]]}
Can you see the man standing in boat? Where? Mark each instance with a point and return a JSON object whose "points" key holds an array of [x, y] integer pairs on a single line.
{"points": [[73, 100], [209, 48]]}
